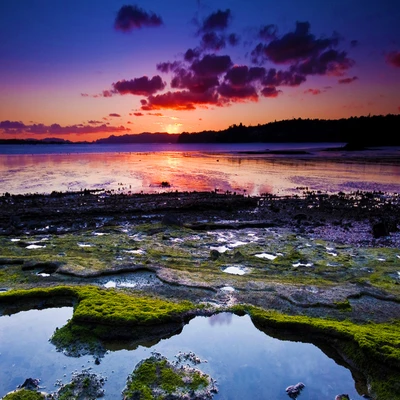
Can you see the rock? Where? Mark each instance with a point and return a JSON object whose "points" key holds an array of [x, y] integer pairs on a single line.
{"points": [[294, 390], [214, 254], [30, 384], [342, 397], [171, 220]]}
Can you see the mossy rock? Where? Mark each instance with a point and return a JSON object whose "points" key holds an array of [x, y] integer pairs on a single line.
{"points": [[24, 394]]}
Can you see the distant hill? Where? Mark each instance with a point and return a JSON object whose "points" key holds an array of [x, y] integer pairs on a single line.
{"points": [[146, 137]]}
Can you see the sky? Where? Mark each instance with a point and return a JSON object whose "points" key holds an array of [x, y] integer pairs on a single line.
{"points": [[82, 70]]}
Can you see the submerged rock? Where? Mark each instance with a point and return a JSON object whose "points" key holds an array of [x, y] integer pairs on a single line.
{"points": [[294, 390]]}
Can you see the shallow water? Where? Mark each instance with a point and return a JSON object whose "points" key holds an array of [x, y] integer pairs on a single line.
{"points": [[246, 363], [25, 169]]}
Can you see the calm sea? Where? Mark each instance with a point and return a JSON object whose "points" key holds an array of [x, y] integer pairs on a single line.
{"points": [[240, 168]]}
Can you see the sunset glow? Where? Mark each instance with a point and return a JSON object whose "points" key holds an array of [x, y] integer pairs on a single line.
{"points": [[73, 71]]}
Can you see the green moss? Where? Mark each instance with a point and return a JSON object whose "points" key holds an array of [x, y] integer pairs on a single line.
{"points": [[24, 394], [157, 374]]}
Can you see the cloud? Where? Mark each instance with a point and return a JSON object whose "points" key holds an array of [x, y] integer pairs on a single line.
{"points": [[138, 114], [166, 67], [282, 78], [393, 59], [270, 91], [212, 41], [140, 86], [155, 114], [242, 75], [268, 32], [294, 46], [313, 91], [114, 115], [180, 100], [218, 20], [11, 125], [211, 65], [133, 17], [233, 39], [184, 79], [238, 93], [354, 43], [16, 127], [84, 95], [94, 122], [347, 80]]}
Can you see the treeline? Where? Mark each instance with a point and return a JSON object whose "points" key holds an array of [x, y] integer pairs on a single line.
{"points": [[357, 131]]}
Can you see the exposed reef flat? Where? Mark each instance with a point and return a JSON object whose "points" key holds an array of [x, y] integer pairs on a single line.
{"points": [[324, 265]]}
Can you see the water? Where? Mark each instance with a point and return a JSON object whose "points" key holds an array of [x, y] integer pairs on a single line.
{"points": [[247, 363], [196, 167]]}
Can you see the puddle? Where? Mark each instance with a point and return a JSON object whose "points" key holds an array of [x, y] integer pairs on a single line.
{"points": [[235, 270], [299, 264], [139, 252], [136, 279], [266, 255], [220, 249], [246, 363], [35, 246], [84, 245], [228, 289]]}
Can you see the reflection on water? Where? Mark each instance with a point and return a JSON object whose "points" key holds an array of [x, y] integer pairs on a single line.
{"points": [[196, 170], [246, 363]]}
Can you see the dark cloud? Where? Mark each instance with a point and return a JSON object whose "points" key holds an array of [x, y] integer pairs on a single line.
{"points": [[166, 67], [94, 122], [134, 17], [192, 54], [242, 75], [84, 95], [238, 93], [354, 43], [283, 78], [184, 79], [313, 91], [216, 21], [233, 39], [331, 62], [114, 115], [57, 129], [347, 80], [212, 41], [211, 65], [107, 93], [140, 86], [268, 32], [11, 125], [181, 100], [292, 47], [138, 114], [393, 59], [270, 91]]}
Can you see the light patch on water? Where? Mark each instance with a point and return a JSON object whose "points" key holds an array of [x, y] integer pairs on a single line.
{"points": [[128, 284], [84, 245], [237, 243], [332, 254], [43, 274], [110, 284], [299, 264], [139, 252], [398, 273], [330, 248], [397, 255], [381, 259], [220, 249], [266, 255], [177, 240], [35, 246], [308, 245], [228, 289], [234, 271], [15, 240], [100, 233]]}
